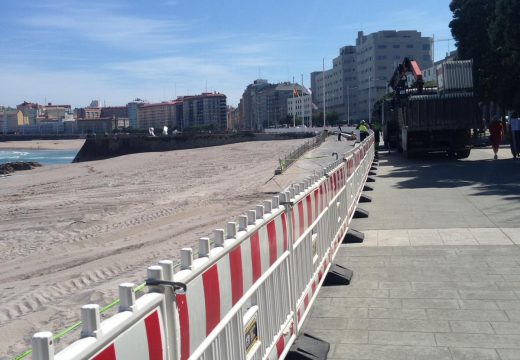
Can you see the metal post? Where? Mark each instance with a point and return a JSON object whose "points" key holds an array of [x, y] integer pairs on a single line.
{"points": [[42, 346], [324, 102]]}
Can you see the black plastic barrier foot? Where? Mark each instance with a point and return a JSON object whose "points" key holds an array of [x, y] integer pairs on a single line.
{"points": [[353, 237], [365, 199], [372, 173], [338, 275], [308, 347], [368, 188], [360, 214], [371, 179]]}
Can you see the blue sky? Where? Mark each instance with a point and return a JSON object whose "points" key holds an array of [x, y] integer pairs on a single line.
{"points": [[69, 51]]}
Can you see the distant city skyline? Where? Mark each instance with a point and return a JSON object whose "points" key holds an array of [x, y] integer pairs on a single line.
{"points": [[114, 51]]}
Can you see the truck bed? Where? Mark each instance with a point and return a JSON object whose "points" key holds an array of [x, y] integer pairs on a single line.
{"points": [[456, 111]]}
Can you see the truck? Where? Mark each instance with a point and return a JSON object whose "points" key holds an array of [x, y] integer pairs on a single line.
{"points": [[421, 119]]}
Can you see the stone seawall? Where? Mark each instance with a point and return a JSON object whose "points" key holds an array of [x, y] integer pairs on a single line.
{"points": [[98, 148]]}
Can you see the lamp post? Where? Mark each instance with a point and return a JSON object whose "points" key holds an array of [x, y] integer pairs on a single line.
{"points": [[369, 101]]}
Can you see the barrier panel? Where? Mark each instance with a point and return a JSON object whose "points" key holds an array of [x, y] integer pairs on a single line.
{"points": [[247, 293]]}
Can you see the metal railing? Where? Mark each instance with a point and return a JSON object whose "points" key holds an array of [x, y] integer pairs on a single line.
{"points": [[290, 158]]}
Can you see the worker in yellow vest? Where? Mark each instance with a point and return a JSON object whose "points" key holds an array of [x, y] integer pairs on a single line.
{"points": [[363, 130]]}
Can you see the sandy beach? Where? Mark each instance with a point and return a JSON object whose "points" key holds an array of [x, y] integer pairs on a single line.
{"points": [[71, 233], [43, 144]]}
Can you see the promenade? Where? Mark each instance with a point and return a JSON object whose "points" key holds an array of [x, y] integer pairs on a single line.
{"points": [[438, 275]]}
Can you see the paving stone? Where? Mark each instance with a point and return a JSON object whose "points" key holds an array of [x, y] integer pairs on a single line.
{"points": [[509, 354], [401, 338], [478, 340], [487, 295], [471, 327], [325, 323], [513, 234], [384, 352], [508, 304], [346, 292], [367, 303], [397, 314], [424, 294], [329, 311], [466, 315], [506, 327], [395, 285], [474, 354], [343, 336], [430, 304], [513, 315], [478, 305], [399, 325]]}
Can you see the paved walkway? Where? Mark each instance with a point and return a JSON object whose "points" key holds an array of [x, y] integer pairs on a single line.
{"points": [[438, 275]]}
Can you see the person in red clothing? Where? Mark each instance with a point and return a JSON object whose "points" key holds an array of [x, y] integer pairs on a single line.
{"points": [[497, 132]]}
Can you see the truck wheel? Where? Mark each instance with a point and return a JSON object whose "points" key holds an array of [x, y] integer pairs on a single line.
{"points": [[462, 154]]}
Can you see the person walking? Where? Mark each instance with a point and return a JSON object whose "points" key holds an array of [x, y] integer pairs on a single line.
{"points": [[497, 132], [339, 132]]}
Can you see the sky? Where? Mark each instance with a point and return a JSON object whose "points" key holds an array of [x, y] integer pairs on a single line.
{"points": [[75, 51]]}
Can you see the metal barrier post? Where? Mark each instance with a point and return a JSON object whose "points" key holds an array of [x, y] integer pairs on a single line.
{"points": [[285, 200], [171, 313], [42, 346]]}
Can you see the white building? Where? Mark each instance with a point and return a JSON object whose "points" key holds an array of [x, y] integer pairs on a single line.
{"points": [[301, 106]]}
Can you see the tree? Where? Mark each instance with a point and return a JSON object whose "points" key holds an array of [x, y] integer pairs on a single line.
{"points": [[505, 38], [469, 27]]}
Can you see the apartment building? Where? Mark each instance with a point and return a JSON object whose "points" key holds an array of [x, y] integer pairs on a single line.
{"points": [[10, 120], [265, 105], [157, 115], [360, 74], [300, 107], [207, 109]]}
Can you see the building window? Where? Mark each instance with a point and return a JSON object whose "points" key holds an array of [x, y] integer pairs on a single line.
{"points": [[397, 46], [426, 47], [409, 46]]}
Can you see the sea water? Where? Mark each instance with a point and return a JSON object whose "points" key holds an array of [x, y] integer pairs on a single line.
{"points": [[44, 157]]}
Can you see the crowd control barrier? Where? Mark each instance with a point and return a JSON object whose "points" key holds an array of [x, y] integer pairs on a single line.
{"points": [[247, 292]]}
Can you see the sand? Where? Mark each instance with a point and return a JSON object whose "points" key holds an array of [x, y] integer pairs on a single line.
{"points": [[71, 233], [43, 144]]}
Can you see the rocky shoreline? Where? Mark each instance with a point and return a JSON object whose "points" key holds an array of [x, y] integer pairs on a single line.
{"points": [[10, 167]]}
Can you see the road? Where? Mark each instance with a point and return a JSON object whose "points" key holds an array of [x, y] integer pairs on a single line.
{"points": [[438, 275]]}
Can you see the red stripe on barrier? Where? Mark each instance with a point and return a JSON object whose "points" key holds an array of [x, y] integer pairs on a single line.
{"points": [[306, 301], [237, 275], [320, 275], [108, 353], [309, 210], [211, 297], [313, 288], [153, 335], [184, 320], [280, 345], [301, 217], [284, 228], [316, 203], [255, 256], [271, 235]]}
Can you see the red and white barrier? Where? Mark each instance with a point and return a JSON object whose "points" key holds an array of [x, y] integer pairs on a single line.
{"points": [[248, 294]]}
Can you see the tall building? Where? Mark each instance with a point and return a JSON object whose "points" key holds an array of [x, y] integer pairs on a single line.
{"points": [[157, 115], [205, 110], [360, 74], [133, 112], [264, 105], [51, 112]]}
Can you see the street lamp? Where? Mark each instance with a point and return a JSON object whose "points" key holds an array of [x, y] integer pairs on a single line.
{"points": [[369, 100], [348, 102]]}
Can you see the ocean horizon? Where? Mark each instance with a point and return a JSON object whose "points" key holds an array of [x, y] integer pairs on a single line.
{"points": [[44, 157]]}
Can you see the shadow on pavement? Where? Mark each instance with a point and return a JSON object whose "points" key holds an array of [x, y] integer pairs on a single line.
{"points": [[488, 177]]}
